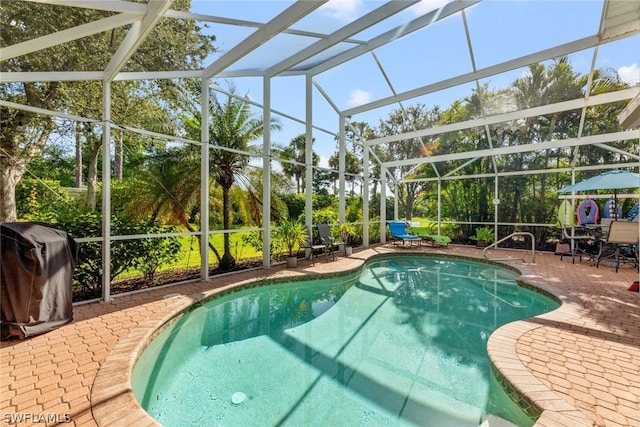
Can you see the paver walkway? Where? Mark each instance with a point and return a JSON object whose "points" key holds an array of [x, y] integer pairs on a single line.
{"points": [[592, 360]]}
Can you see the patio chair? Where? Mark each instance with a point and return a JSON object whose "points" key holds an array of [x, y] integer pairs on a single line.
{"points": [[325, 238], [575, 240], [634, 212], [435, 239], [313, 248], [398, 232], [622, 243]]}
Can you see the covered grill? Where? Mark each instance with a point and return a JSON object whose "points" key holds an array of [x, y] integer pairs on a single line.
{"points": [[36, 274]]}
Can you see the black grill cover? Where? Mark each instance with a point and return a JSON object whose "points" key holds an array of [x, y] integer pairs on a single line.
{"points": [[36, 273]]}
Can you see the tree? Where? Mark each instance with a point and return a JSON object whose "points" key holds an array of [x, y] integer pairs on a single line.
{"points": [[175, 44], [232, 129], [352, 167], [296, 151], [402, 121]]}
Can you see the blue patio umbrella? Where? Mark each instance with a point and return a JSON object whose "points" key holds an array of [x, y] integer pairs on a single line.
{"points": [[612, 180]]}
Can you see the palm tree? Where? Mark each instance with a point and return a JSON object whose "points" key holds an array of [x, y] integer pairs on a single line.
{"points": [[352, 167], [296, 151], [232, 129], [170, 188]]}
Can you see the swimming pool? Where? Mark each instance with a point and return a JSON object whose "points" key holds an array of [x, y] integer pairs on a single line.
{"points": [[402, 342]]}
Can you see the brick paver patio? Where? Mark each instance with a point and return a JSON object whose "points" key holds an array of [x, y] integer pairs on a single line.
{"points": [[580, 364]]}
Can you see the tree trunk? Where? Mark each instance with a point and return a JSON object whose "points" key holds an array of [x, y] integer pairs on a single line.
{"points": [[15, 155], [117, 167], [213, 248], [228, 261], [78, 171], [92, 177], [9, 177]]}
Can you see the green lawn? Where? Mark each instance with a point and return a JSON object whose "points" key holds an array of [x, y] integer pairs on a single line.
{"points": [[189, 255]]}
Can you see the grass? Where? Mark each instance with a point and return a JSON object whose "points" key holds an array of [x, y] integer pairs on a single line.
{"points": [[189, 255]]}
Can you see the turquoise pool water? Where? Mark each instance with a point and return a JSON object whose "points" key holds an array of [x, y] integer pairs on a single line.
{"points": [[401, 343]]}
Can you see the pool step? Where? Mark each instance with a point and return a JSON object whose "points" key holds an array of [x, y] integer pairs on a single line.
{"points": [[494, 421]]}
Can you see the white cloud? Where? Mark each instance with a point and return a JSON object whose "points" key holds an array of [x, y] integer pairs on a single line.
{"points": [[630, 73], [358, 97], [342, 10]]}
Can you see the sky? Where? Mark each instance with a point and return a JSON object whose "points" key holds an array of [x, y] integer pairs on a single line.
{"points": [[498, 30]]}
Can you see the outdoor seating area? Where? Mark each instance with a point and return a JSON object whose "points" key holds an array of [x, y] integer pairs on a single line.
{"points": [[620, 244], [588, 357], [312, 249], [427, 237], [398, 232]]}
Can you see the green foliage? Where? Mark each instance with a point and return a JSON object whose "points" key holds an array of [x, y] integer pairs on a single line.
{"points": [[353, 211], [289, 235], [323, 200], [147, 255], [353, 166], [346, 231], [175, 44], [454, 231], [296, 151], [374, 231], [34, 196], [325, 216], [295, 204], [156, 252], [483, 234], [54, 166], [253, 239]]}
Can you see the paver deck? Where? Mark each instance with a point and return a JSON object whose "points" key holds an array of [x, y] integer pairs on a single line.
{"points": [[580, 363]]}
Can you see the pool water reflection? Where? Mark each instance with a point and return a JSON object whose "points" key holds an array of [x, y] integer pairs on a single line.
{"points": [[403, 342]]}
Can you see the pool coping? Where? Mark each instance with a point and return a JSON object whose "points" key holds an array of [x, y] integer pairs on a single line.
{"points": [[113, 401]]}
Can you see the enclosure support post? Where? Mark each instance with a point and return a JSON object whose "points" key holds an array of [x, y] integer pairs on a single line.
{"points": [[266, 174], [365, 195], [106, 192], [395, 200], [496, 204], [308, 148], [204, 180], [383, 205], [439, 206], [341, 169]]}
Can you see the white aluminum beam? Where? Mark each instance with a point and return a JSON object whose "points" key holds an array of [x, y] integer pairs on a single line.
{"points": [[630, 116], [50, 76], [575, 104], [293, 13], [75, 76], [523, 61], [360, 24], [571, 142], [67, 35], [526, 172], [617, 150], [393, 34], [108, 5], [38, 110], [244, 23], [136, 36], [140, 9]]}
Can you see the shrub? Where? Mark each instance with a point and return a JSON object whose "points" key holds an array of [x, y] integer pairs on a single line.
{"points": [[156, 252]]}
